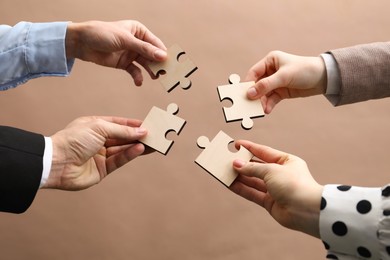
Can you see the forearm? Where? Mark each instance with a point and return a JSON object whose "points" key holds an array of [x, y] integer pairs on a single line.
{"points": [[307, 214], [35, 49], [21, 155], [364, 73]]}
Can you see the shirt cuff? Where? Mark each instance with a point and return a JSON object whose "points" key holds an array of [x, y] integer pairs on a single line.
{"points": [[46, 52], [349, 220], [333, 78], [47, 159], [35, 49]]}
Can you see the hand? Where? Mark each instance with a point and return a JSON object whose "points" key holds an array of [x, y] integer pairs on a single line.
{"points": [[281, 75], [90, 148], [115, 44], [282, 184]]}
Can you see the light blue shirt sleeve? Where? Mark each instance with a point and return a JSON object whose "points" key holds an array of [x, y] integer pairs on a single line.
{"points": [[31, 50]]}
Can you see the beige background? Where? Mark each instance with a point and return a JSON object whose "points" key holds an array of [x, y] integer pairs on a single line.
{"points": [[160, 207]]}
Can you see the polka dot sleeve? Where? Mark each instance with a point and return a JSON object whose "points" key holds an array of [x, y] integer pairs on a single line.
{"points": [[355, 222]]}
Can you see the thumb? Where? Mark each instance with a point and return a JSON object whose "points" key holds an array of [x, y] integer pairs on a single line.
{"points": [[111, 130], [252, 169], [146, 49], [266, 85]]}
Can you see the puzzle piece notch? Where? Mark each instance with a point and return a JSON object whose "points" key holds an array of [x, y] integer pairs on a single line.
{"points": [[243, 108], [159, 122], [176, 72], [217, 159]]}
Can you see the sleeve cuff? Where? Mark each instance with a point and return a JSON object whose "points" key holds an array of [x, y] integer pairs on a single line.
{"points": [[333, 78], [349, 220], [47, 159], [46, 49], [35, 49]]}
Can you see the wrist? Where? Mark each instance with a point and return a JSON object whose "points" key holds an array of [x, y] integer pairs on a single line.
{"points": [[308, 214], [57, 165], [72, 40], [320, 70]]}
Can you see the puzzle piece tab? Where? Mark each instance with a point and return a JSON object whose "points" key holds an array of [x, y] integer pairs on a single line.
{"points": [[158, 123], [218, 160], [242, 108], [176, 72]]}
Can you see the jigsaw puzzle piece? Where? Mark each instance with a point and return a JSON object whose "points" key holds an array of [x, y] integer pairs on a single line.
{"points": [[159, 122], [243, 108], [218, 160], [176, 72]]}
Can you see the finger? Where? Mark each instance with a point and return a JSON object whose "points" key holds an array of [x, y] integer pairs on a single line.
{"points": [[121, 146], [263, 101], [248, 192], [257, 71], [118, 142], [272, 101], [123, 121], [118, 149], [252, 169], [146, 65], [252, 182], [148, 150], [117, 160], [147, 50], [116, 131], [117, 120], [266, 85], [113, 119], [264, 153], [135, 73], [153, 39]]}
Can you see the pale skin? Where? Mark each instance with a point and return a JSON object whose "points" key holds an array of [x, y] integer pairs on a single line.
{"points": [[281, 182], [90, 148], [120, 44], [280, 75]]}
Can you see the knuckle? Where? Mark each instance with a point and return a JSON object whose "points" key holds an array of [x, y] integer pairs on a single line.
{"points": [[274, 53], [146, 48]]}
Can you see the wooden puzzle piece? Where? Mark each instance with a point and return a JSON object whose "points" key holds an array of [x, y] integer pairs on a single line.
{"points": [[176, 72], [242, 108], [158, 123], [218, 160]]}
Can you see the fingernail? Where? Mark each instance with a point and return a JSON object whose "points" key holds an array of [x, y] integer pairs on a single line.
{"points": [[141, 131], [160, 54], [252, 92], [238, 163]]}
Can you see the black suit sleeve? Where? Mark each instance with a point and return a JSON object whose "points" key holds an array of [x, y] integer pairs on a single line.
{"points": [[21, 165]]}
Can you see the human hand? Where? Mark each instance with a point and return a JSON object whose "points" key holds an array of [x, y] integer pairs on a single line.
{"points": [[90, 148], [118, 44], [280, 75], [282, 184]]}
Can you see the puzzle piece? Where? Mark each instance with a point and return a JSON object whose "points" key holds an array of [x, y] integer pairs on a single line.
{"points": [[218, 160], [176, 73], [158, 123], [243, 108]]}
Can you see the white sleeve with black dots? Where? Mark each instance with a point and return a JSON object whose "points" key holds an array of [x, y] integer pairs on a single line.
{"points": [[355, 222]]}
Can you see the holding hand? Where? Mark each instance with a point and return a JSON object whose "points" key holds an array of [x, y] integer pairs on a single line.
{"points": [[90, 148], [281, 75], [282, 184], [118, 45]]}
